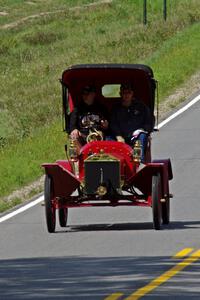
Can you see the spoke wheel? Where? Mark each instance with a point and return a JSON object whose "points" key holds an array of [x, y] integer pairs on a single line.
{"points": [[156, 204], [63, 215], [50, 210]]}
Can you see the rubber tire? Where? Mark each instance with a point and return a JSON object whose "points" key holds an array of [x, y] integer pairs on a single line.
{"points": [[165, 208], [49, 209], [156, 204], [63, 215]]}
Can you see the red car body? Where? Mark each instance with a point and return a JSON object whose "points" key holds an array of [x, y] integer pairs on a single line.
{"points": [[146, 185]]}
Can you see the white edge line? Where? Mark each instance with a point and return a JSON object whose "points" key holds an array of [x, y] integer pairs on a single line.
{"points": [[41, 198], [180, 111], [22, 209]]}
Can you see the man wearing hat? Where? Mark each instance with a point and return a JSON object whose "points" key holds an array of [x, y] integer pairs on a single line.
{"points": [[87, 112], [132, 119]]}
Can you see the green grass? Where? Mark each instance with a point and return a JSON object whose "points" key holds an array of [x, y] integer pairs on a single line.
{"points": [[34, 54], [21, 163], [177, 59], [5, 205], [17, 9]]}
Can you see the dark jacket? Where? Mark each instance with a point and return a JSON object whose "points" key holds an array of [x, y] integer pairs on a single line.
{"points": [[80, 114], [125, 120]]}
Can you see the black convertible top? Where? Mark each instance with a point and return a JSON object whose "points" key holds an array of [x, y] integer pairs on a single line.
{"points": [[74, 78], [145, 68]]}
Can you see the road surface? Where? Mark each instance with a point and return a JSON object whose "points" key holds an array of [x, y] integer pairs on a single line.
{"points": [[112, 252]]}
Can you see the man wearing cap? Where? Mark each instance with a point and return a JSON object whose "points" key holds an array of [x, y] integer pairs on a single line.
{"points": [[86, 112], [132, 119]]}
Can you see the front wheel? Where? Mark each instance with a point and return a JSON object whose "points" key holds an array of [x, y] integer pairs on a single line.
{"points": [[156, 204], [50, 210], [166, 211], [63, 214]]}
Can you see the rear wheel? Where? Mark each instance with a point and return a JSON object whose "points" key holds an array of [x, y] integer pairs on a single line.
{"points": [[166, 211], [63, 214], [156, 204], [50, 210]]}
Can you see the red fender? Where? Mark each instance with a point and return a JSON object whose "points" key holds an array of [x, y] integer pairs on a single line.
{"points": [[143, 178], [64, 181], [168, 164]]}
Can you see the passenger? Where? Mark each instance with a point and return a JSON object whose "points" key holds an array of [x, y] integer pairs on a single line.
{"points": [[88, 113], [131, 120]]}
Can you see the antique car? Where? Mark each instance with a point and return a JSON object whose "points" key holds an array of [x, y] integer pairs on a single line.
{"points": [[106, 172]]}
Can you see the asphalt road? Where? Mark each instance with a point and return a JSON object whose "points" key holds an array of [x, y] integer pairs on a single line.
{"points": [[111, 250]]}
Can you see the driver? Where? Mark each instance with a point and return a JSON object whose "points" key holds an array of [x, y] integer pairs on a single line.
{"points": [[131, 120], [86, 113]]}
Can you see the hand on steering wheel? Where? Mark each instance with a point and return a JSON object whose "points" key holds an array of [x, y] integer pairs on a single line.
{"points": [[104, 124], [75, 134]]}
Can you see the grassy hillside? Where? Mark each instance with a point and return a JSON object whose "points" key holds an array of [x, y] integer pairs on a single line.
{"points": [[34, 53], [16, 9]]}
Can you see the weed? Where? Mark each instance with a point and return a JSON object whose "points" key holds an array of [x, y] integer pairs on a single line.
{"points": [[5, 205]]}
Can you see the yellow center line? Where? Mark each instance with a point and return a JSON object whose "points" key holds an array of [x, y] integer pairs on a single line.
{"points": [[165, 276], [114, 296], [183, 253]]}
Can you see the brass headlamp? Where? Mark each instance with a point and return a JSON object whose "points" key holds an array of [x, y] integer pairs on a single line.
{"points": [[73, 150], [137, 152]]}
